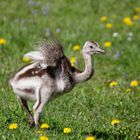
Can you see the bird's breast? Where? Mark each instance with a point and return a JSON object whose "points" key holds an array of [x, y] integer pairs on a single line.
{"points": [[60, 85], [64, 85]]}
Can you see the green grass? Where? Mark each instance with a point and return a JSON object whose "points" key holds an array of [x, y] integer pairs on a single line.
{"points": [[90, 107]]}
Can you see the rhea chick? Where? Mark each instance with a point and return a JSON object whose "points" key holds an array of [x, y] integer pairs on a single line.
{"points": [[50, 75]]}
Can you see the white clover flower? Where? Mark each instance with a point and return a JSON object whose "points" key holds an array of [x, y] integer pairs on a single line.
{"points": [[130, 34], [115, 34], [129, 38]]}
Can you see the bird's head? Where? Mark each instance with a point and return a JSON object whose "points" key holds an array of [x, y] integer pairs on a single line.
{"points": [[92, 47]]}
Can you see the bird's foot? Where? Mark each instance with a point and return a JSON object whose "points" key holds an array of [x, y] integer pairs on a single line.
{"points": [[31, 122], [37, 126]]}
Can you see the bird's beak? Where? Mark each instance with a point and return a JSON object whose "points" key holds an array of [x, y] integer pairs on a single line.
{"points": [[98, 50]]}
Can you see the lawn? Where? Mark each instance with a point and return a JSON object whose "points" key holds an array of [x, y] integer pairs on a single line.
{"points": [[88, 110]]}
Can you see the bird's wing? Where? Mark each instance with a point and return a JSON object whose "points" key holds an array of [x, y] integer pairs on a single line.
{"points": [[34, 56], [68, 68], [48, 53]]}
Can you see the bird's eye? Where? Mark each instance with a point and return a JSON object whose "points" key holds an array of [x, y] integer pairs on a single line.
{"points": [[91, 47]]}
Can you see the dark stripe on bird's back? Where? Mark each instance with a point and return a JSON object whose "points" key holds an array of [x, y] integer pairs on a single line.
{"points": [[38, 71]]}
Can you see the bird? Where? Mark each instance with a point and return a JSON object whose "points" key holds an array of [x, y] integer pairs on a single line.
{"points": [[50, 75]]}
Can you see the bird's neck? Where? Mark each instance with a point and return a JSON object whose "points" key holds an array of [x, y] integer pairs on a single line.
{"points": [[88, 72]]}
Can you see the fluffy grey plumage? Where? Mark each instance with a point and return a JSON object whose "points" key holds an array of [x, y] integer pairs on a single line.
{"points": [[53, 54], [51, 51]]}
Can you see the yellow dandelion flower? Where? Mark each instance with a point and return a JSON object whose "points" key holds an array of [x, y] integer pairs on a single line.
{"points": [[90, 138], [138, 137], [2, 41], [134, 83], [107, 44], [76, 48], [44, 126], [13, 126], [115, 122], [136, 17], [109, 25], [113, 84], [128, 90], [43, 138], [103, 18], [67, 130], [73, 60], [27, 59], [128, 21], [137, 9]]}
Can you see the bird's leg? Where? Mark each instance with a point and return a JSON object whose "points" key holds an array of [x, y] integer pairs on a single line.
{"points": [[38, 108], [38, 99], [42, 98], [28, 112], [37, 115]]}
